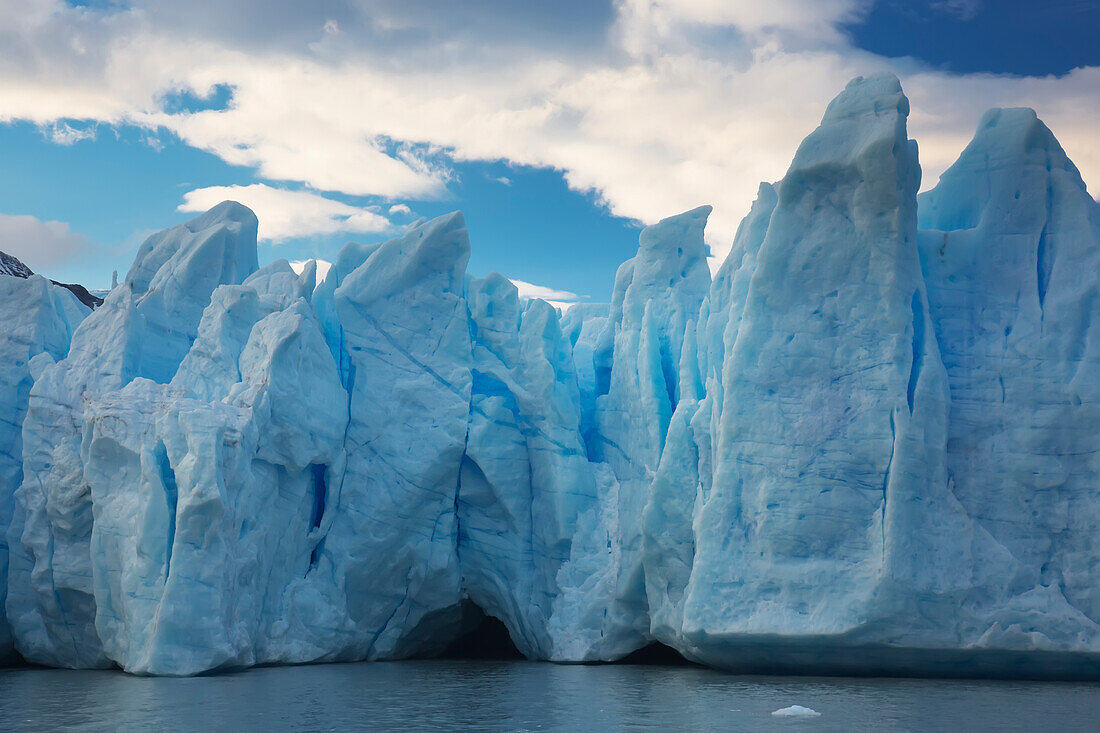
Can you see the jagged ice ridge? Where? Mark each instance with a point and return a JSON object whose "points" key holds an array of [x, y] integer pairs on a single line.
{"points": [[868, 444]]}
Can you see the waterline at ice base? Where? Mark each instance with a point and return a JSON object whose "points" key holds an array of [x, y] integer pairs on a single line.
{"points": [[869, 444]]}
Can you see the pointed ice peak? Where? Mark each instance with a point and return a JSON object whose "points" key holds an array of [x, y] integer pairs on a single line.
{"points": [[865, 118], [439, 248], [218, 246], [352, 255], [1014, 127], [657, 294], [494, 304], [227, 212], [871, 95], [675, 232], [321, 268], [671, 250], [494, 287], [862, 153], [751, 230], [453, 221], [283, 283], [1005, 177], [1007, 135], [278, 267]]}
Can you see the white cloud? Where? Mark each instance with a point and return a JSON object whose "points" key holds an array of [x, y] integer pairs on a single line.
{"points": [[558, 298], [41, 245], [962, 9], [62, 133], [286, 214], [400, 210], [656, 112], [503, 180], [644, 23], [323, 267]]}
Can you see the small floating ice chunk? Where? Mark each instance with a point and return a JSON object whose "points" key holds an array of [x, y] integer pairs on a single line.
{"points": [[796, 711]]}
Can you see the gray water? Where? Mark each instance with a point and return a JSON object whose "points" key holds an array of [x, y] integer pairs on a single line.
{"points": [[517, 696]]}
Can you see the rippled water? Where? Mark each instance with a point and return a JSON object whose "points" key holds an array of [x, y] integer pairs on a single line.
{"points": [[479, 695]]}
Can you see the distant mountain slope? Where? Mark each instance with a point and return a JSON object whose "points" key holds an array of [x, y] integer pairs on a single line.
{"points": [[81, 294], [10, 265]]}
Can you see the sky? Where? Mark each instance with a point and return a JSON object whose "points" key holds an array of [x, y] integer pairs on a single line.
{"points": [[559, 129]]}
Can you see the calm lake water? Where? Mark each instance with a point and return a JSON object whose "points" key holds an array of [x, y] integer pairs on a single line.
{"points": [[525, 696]]}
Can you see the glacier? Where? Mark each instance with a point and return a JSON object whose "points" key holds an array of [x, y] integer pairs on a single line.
{"points": [[867, 444], [39, 319]]}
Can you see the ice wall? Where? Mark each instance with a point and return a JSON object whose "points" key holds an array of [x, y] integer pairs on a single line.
{"points": [[863, 447], [39, 319], [1010, 251], [525, 476], [829, 378], [143, 330]]}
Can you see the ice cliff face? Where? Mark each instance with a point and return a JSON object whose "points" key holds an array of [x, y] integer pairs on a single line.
{"points": [[812, 475], [39, 319], [862, 446], [1010, 249], [143, 330]]}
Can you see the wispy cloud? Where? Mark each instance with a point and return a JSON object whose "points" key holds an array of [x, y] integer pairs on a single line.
{"points": [[559, 298], [961, 9], [323, 267], [63, 133]]}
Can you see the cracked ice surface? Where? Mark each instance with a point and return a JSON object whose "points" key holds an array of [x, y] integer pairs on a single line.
{"points": [[869, 443]]}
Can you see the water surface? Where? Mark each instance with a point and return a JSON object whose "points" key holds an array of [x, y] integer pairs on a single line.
{"points": [[528, 696]]}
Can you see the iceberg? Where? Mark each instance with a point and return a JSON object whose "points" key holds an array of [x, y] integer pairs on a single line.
{"points": [[796, 711], [868, 444]]}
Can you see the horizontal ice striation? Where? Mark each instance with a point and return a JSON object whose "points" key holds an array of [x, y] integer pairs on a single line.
{"points": [[860, 448]]}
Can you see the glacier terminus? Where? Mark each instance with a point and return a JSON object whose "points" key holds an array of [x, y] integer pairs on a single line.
{"points": [[869, 443]]}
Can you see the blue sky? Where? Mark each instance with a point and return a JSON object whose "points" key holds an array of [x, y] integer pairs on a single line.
{"points": [[558, 129], [116, 188]]}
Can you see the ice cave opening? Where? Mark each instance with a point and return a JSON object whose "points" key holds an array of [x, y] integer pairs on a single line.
{"points": [[483, 637]]}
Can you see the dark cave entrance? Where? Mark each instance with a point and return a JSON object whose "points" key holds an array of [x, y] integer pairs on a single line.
{"points": [[486, 637], [483, 637], [657, 654]]}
